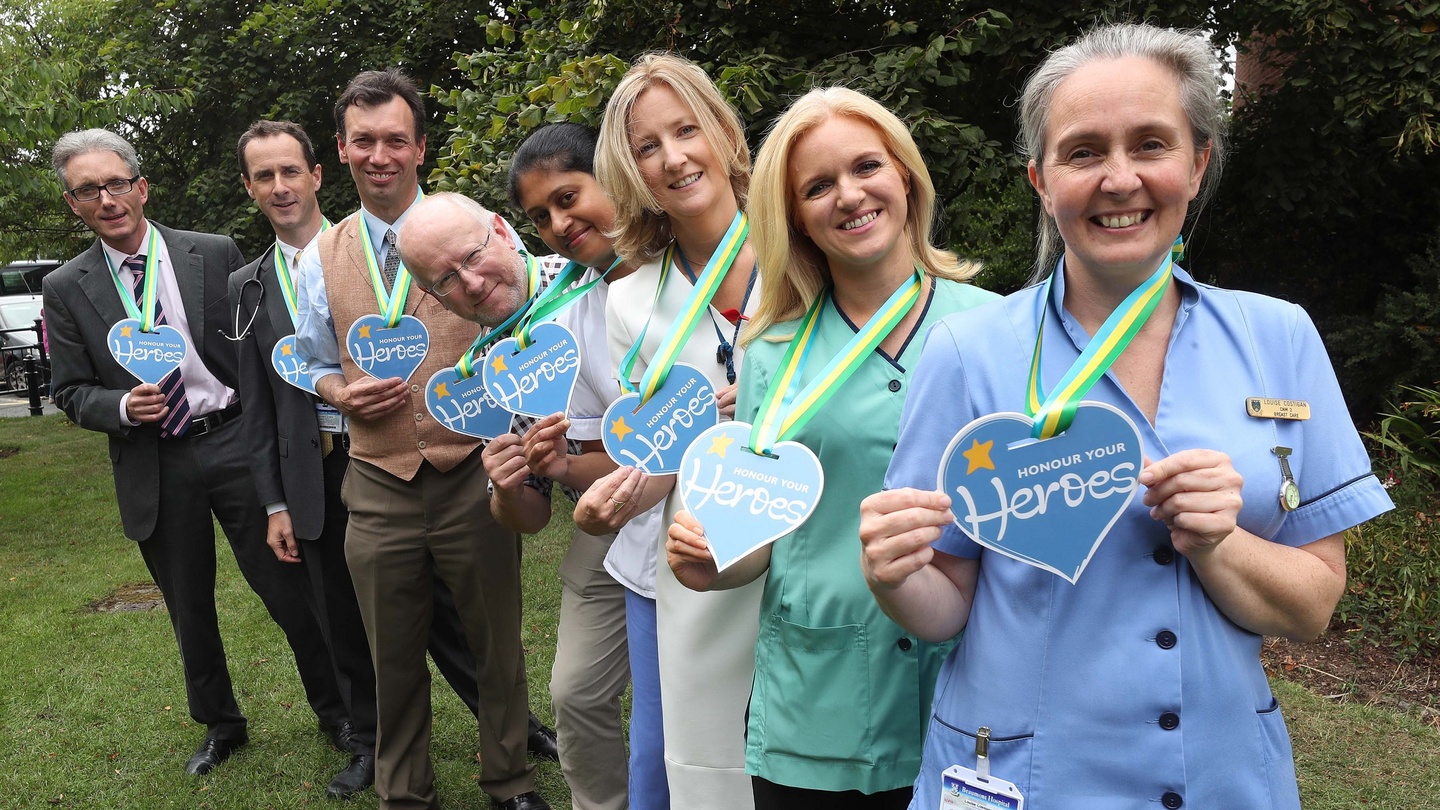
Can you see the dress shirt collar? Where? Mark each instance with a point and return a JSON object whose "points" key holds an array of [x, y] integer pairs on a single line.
{"points": [[117, 258], [377, 226]]}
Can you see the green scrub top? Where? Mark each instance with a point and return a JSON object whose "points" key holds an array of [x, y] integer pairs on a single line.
{"points": [[842, 694]]}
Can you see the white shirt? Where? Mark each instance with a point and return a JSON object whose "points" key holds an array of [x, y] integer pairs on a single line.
{"points": [[203, 391]]}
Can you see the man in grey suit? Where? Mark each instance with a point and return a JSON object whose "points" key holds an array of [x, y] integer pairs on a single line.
{"points": [[176, 447]]}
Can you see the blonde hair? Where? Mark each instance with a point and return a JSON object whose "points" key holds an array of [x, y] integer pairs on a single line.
{"points": [[793, 271], [641, 228]]}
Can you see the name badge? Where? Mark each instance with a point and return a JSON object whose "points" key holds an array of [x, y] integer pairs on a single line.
{"points": [[289, 366], [1271, 408], [329, 417], [963, 789]]}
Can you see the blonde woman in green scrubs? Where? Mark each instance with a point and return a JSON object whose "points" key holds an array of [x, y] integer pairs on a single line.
{"points": [[841, 207]]}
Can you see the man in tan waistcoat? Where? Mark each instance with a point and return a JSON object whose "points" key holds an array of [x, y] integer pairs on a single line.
{"points": [[416, 492]]}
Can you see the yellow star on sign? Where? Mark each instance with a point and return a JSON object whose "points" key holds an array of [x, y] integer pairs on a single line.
{"points": [[979, 456], [620, 429], [498, 364], [365, 330], [719, 445], [285, 350], [125, 331], [441, 390]]}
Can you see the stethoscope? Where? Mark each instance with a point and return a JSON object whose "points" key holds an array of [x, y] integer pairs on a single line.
{"points": [[240, 305]]}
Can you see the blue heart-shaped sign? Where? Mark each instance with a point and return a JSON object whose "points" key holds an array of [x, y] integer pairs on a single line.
{"points": [[745, 500], [384, 353], [655, 437], [538, 380], [1046, 503], [462, 405], [150, 356], [289, 366]]}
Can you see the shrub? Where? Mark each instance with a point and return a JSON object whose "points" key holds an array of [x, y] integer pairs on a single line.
{"points": [[1393, 594]]}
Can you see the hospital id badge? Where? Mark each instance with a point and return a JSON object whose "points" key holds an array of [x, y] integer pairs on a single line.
{"points": [[963, 789], [329, 417]]}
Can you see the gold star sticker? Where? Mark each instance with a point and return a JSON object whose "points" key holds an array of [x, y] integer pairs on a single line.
{"points": [[365, 330], [285, 350], [498, 364], [979, 456], [620, 429], [125, 331], [719, 445], [441, 390]]}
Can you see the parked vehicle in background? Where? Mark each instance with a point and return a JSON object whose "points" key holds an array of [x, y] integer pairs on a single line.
{"points": [[23, 278], [18, 312]]}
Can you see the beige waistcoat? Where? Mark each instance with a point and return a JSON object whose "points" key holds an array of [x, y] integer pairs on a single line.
{"points": [[400, 441]]}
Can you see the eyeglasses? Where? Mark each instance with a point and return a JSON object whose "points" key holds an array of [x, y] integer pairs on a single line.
{"points": [[451, 280], [92, 193]]}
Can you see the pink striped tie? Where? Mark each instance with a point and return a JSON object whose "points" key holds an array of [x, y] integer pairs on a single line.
{"points": [[177, 420]]}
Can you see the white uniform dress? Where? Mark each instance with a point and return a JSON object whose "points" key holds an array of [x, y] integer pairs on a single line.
{"points": [[706, 640]]}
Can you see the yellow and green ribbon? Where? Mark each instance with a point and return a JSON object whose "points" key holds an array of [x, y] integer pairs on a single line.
{"points": [[287, 281], [691, 312], [558, 297], [1053, 414], [466, 367], [145, 312], [784, 412]]}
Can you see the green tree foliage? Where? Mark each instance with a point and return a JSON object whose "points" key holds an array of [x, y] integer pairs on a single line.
{"points": [[52, 84], [248, 60]]}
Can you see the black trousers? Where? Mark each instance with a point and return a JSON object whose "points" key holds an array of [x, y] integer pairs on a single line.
{"points": [[770, 796], [210, 475]]}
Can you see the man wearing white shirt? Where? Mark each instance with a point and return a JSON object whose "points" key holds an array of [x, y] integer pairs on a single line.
{"points": [[176, 448], [416, 491]]}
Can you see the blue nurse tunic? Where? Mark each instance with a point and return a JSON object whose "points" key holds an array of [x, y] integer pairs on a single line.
{"points": [[1130, 689]]}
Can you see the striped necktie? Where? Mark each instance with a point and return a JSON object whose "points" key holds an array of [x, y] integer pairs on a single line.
{"points": [[177, 420], [392, 260]]}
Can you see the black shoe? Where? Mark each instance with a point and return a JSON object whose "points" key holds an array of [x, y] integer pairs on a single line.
{"points": [[341, 736], [542, 744], [360, 774], [213, 752], [529, 800]]}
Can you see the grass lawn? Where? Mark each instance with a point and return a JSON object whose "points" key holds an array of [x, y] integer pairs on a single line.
{"points": [[92, 707]]}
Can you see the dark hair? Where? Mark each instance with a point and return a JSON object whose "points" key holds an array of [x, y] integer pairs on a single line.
{"points": [[376, 87], [563, 147], [267, 129]]}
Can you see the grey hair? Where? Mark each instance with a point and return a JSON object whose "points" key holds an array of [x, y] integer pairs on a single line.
{"points": [[74, 144], [1186, 53], [480, 213]]}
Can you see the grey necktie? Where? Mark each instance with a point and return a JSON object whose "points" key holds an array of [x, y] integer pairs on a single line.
{"points": [[392, 260]]}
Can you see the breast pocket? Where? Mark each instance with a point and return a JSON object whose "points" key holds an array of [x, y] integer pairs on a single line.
{"points": [[815, 691]]}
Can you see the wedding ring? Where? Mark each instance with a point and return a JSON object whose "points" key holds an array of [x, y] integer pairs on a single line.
{"points": [[618, 504]]}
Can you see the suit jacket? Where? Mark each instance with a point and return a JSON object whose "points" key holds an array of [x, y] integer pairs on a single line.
{"points": [[280, 424], [81, 304]]}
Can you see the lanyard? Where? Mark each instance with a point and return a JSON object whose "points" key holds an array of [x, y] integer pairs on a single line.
{"points": [[725, 351], [465, 369], [556, 298], [697, 302], [287, 281], [784, 412], [1054, 414], [392, 305], [145, 312]]}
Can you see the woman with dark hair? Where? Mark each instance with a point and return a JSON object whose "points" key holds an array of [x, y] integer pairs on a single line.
{"points": [[603, 641]]}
